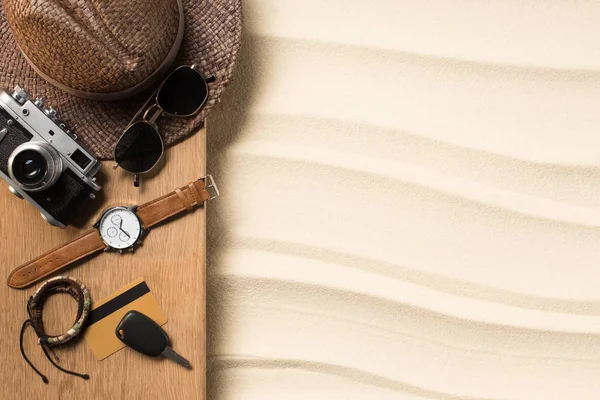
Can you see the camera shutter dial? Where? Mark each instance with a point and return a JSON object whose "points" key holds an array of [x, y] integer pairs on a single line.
{"points": [[20, 95]]}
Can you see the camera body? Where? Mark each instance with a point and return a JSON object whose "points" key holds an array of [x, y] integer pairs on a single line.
{"points": [[41, 159]]}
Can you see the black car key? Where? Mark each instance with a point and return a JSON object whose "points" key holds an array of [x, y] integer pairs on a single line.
{"points": [[142, 334]]}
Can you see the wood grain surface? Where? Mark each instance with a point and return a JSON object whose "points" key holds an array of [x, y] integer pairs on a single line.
{"points": [[172, 260]]}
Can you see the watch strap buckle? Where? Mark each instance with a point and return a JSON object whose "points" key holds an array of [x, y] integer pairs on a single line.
{"points": [[211, 187]]}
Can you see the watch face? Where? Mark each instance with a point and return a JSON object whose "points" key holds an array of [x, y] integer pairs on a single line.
{"points": [[120, 228]]}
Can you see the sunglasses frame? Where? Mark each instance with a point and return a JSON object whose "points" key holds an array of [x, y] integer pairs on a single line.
{"points": [[143, 116], [162, 151]]}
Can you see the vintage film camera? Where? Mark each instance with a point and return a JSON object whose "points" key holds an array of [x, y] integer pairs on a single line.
{"points": [[41, 159]]}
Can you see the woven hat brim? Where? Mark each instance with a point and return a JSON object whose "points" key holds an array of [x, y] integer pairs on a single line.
{"points": [[212, 39]]}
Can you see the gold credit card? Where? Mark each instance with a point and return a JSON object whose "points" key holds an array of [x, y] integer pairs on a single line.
{"points": [[107, 313]]}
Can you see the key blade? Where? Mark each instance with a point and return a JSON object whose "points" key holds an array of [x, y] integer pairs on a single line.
{"points": [[171, 355]]}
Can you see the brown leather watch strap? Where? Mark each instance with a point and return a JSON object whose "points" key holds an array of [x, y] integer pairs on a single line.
{"points": [[184, 198], [84, 245]]}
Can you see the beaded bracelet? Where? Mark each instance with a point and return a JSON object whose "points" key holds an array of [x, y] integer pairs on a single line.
{"points": [[35, 309]]}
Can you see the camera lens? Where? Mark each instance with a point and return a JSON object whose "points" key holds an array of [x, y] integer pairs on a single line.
{"points": [[34, 166], [29, 167]]}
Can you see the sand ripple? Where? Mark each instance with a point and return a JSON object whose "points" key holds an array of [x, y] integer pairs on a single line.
{"points": [[411, 203]]}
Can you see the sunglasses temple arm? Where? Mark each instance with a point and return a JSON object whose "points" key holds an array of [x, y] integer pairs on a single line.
{"points": [[136, 180]]}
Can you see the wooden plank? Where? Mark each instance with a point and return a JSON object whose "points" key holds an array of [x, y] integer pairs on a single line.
{"points": [[172, 260]]}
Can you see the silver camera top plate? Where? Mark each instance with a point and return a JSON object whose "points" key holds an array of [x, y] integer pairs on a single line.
{"points": [[44, 126]]}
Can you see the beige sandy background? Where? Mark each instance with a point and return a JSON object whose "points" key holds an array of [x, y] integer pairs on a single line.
{"points": [[411, 202]]}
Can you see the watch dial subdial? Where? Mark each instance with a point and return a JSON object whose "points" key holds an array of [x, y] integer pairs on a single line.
{"points": [[112, 232], [123, 237], [116, 219]]}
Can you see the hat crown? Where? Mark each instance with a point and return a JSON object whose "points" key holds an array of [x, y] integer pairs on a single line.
{"points": [[97, 46]]}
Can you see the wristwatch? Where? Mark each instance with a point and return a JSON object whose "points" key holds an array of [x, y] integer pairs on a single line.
{"points": [[119, 229]]}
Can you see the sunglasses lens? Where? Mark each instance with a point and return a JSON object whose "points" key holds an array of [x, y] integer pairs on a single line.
{"points": [[139, 149], [183, 92]]}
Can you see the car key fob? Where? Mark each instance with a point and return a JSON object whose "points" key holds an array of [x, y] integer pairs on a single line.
{"points": [[144, 335]]}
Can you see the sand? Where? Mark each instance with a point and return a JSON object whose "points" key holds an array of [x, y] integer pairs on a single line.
{"points": [[410, 203]]}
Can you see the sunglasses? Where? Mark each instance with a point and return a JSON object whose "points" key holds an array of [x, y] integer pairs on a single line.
{"points": [[182, 94]]}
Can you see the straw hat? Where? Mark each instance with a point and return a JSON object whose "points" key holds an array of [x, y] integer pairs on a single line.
{"points": [[97, 61]]}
